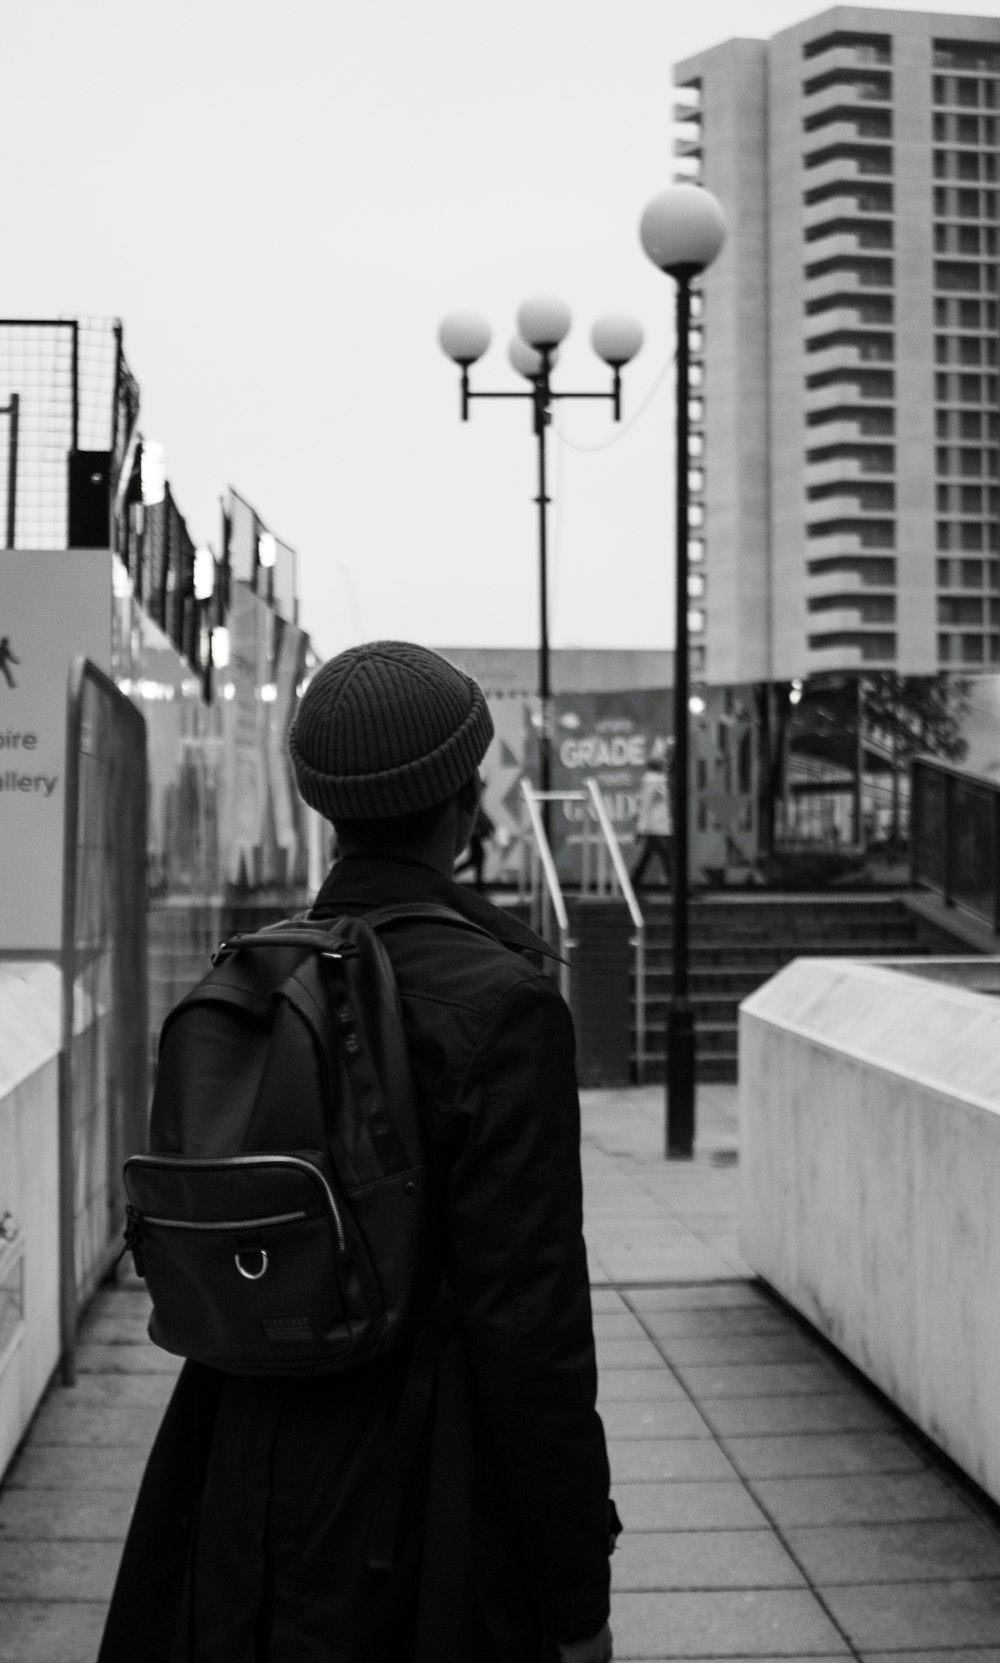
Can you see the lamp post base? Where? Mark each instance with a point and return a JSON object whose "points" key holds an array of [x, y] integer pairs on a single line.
{"points": [[680, 1082]]}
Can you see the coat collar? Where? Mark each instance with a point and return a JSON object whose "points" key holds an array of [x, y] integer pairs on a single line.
{"points": [[367, 881]]}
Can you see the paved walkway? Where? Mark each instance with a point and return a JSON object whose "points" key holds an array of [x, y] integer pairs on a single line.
{"points": [[774, 1507]]}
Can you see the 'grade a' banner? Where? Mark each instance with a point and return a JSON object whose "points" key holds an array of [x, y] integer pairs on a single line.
{"points": [[607, 737]]}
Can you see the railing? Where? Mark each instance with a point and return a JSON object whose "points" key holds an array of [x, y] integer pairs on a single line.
{"points": [[603, 872], [102, 1080], [546, 896], [955, 837], [609, 848]]}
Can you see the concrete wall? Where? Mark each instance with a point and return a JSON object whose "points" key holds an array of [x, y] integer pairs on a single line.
{"points": [[29, 1192], [870, 1158]]}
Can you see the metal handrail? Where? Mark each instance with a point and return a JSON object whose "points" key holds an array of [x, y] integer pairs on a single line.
{"points": [[541, 854], [638, 940]]}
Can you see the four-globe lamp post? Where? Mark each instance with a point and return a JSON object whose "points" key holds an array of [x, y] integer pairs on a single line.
{"points": [[682, 230], [543, 324]]}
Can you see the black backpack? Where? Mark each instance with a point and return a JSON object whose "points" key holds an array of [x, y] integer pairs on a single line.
{"points": [[282, 1218]]}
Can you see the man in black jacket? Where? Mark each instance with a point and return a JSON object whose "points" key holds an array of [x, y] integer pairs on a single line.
{"points": [[250, 1535]]}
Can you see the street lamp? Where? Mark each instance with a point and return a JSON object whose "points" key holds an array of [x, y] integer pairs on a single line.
{"points": [[543, 323], [682, 231]]}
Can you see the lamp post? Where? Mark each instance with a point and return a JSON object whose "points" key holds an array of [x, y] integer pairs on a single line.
{"points": [[543, 323], [682, 230]]}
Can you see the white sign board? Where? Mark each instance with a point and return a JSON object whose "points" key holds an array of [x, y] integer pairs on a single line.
{"points": [[54, 606]]}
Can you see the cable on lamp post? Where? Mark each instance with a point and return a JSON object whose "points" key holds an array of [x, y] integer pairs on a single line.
{"points": [[543, 323], [681, 230]]}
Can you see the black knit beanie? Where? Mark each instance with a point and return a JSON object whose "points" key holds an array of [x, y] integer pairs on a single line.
{"points": [[387, 729]]}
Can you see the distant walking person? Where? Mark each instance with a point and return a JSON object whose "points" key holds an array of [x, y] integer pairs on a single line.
{"points": [[474, 858], [654, 825], [7, 658]]}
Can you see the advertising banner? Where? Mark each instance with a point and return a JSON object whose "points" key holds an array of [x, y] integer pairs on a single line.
{"points": [[55, 604], [607, 737]]}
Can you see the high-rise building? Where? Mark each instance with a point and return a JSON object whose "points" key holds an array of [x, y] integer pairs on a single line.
{"points": [[845, 417]]}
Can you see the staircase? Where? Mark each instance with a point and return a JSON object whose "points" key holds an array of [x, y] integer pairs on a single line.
{"points": [[738, 942]]}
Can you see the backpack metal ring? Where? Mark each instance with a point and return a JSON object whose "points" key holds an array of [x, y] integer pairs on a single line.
{"points": [[252, 1275]]}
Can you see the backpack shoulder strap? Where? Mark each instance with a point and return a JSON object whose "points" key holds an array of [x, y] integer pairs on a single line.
{"points": [[432, 911]]}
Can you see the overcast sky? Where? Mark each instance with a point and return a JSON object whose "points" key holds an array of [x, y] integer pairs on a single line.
{"points": [[281, 198]]}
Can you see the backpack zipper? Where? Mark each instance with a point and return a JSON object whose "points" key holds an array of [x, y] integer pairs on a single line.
{"points": [[222, 1223], [170, 1161]]}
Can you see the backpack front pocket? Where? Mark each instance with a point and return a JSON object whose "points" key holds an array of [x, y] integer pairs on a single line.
{"points": [[244, 1258]]}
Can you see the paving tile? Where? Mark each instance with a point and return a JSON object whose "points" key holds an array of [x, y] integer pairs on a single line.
{"points": [[858, 1553], [786, 1346], [834, 1412], [33, 1570], [121, 1426], [105, 1358], [740, 1319], [822, 1454], [723, 1295], [692, 1262], [770, 1624], [60, 1468], [698, 1459], [900, 1615], [628, 1354], [618, 1325], [683, 1505], [867, 1499], [607, 1299], [105, 1328], [764, 1379], [618, 1385], [652, 1419], [61, 1515], [64, 1632], [706, 1559], [151, 1391], [980, 1654]]}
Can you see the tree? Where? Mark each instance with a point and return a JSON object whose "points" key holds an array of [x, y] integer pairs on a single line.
{"points": [[906, 716]]}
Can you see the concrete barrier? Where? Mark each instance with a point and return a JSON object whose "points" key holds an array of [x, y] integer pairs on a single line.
{"points": [[29, 1192], [870, 1161]]}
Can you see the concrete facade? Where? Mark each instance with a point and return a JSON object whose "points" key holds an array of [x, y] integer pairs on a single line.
{"points": [[846, 438], [870, 1160]]}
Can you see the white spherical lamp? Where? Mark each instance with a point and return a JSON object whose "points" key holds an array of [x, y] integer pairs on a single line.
{"points": [[543, 322], [526, 360], [464, 336], [616, 338], [682, 229]]}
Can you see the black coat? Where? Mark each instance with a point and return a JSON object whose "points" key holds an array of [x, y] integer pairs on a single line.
{"points": [[250, 1537]]}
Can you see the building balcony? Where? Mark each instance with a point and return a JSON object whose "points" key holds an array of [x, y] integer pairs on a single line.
{"points": [[839, 208], [840, 317], [842, 171], [844, 583], [842, 95], [686, 110], [844, 430], [846, 507], [843, 467], [847, 357], [838, 657], [684, 146], [840, 57], [841, 392], [836, 543], [840, 132], [842, 243], [846, 282]]}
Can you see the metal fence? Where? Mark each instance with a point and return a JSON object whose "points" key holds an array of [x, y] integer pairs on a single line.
{"points": [[103, 1078], [955, 837]]}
